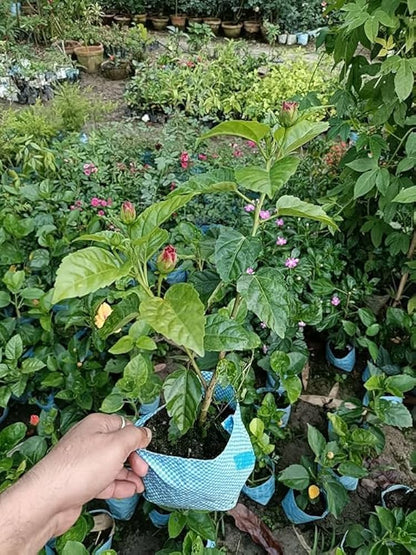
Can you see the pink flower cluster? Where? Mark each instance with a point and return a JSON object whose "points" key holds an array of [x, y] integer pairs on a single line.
{"points": [[251, 144], [291, 262], [335, 301], [89, 169], [97, 202], [280, 222], [77, 205], [184, 158], [281, 241], [249, 208], [202, 157], [264, 214]]}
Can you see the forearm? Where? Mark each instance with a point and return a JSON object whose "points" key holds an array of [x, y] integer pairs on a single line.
{"points": [[26, 516]]}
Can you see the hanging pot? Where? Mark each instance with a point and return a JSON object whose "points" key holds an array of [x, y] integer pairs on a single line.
{"points": [[294, 513], [231, 30], [345, 363]]}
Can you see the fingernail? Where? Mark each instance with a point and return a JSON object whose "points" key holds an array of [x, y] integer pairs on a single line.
{"points": [[149, 434]]}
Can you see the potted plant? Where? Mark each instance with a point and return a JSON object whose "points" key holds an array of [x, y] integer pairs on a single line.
{"points": [[90, 55], [270, 32], [252, 26], [178, 19], [115, 68]]}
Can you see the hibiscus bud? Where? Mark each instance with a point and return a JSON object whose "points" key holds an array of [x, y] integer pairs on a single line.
{"points": [[313, 492], [288, 113], [167, 260], [128, 212], [34, 420]]}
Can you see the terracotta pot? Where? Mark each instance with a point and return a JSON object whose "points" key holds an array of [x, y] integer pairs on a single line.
{"points": [[108, 18], [194, 20], [122, 20], [115, 73], [178, 21], [231, 30], [70, 46], [251, 27], [160, 22], [140, 18], [90, 58], [214, 23]]}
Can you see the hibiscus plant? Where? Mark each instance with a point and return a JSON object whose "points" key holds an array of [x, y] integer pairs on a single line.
{"points": [[240, 283]]}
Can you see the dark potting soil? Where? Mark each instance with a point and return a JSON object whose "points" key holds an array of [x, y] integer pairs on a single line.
{"points": [[401, 499], [197, 443], [315, 509]]}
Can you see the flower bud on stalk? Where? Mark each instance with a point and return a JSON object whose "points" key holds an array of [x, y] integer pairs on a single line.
{"points": [[288, 113], [167, 260], [128, 212]]}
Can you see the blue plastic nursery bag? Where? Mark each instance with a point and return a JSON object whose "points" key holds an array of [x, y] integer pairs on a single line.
{"points": [[205, 485]]}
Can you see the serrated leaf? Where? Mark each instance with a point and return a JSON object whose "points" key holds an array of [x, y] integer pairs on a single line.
{"points": [[182, 391], [266, 295], [179, 316], [234, 253], [225, 334], [293, 206], [134, 377], [268, 181], [14, 348], [393, 414], [85, 271]]}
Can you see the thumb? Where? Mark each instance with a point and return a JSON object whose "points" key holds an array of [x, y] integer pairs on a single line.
{"points": [[131, 438]]}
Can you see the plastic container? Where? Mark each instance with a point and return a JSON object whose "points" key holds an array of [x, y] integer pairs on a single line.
{"points": [[349, 483], [346, 363], [291, 39], [177, 276], [264, 492], [302, 38], [123, 509], [396, 487], [221, 393], [109, 543], [271, 383], [366, 374], [15, 8], [160, 520], [147, 408], [295, 514], [48, 404]]}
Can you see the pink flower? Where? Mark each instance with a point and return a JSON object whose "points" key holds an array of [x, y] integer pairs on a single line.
{"points": [[72, 207], [95, 201], [109, 201], [103, 203], [237, 153], [264, 214], [250, 271], [202, 157], [301, 324], [184, 158], [89, 169], [335, 301], [291, 262], [280, 222], [128, 212], [167, 260], [249, 207], [251, 144], [172, 186], [101, 212], [281, 241], [265, 348], [263, 325]]}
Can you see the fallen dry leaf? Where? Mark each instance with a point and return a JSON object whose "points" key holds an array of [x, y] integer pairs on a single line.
{"points": [[305, 376], [334, 393], [159, 367], [247, 521], [327, 402]]}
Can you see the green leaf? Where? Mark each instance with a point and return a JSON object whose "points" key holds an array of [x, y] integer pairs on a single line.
{"points": [[86, 271], [411, 144], [365, 183], [266, 295], [363, 164], [225, 334], [336, 496], [150, 244], [302, 132], [112, 403], [295, 476], [234, 253], [4, 299], [14, 348], [179, 316], [404, 79], [393, 414], [217, 181], [264, 181], [366, 316], [134, 377], [10, 436], [123, 313], [34, 449], [183, 392], [371, 28], [5, 394], [250, 130], [386, 518], [202, 523], [176, 524], [293, 387], [74, 548], [372, 330], [32, 365], [399, 384], [146, 343], [350, 469], [293, 206], [349, 327], [406, 195], [316, 441], [124, 345], [280, 363], [154, 216], [354, 537]]}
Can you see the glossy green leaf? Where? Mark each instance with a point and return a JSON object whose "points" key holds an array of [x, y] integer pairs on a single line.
{"points": [[176, 524], [400, 384], [32, 365], [316, 441], [293, 206], [134, 377], [362, 165], [112, 403], [406, 195], [302, 132], [365, 183], [123, 313], [10, 436], [74, 548], [150, 244], [179, 316], [183, 393], [34, 449], [404, 80], [386, 518], [267, 181], [336, 496], [293, 387], [250, 130], [217, 181], [266, 295], [157, 214], [123, 345], [4, 299], [14, 348], [146, 343], [86, 271], [202, 523], [234, 253], [350, 469], [393, 414], [366, 316], [295, 476], [225, 334]]}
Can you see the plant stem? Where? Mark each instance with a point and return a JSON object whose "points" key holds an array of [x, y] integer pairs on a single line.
{"points": [[257, 215], [196, 368], [240, 194], [208, 399], [405, 276], [214, 293], [159, 285]]}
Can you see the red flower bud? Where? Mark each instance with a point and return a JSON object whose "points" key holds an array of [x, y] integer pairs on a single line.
{"points": [[34, 420], [128, 212], [288, 113], [167, 260]]}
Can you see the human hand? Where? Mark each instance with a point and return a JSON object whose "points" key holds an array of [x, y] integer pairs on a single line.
{"points": [[87, 463]]}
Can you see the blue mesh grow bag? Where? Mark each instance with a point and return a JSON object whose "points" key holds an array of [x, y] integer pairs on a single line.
{"points": [[262, 493], [294, 513], [123, 509], [346, 363]]}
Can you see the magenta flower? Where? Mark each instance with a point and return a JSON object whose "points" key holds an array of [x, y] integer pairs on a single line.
{"points": [[250, 271], [263, 325], [89, 169], [335, 301], [202, 157], [249, 207], [101, 212], [301, 324], [281, 241], [78, 203], [291, 262], [103, 203], [237, 153], [280, 222], [264, 214], [184, 160], [251, 144], [95, 201]]}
